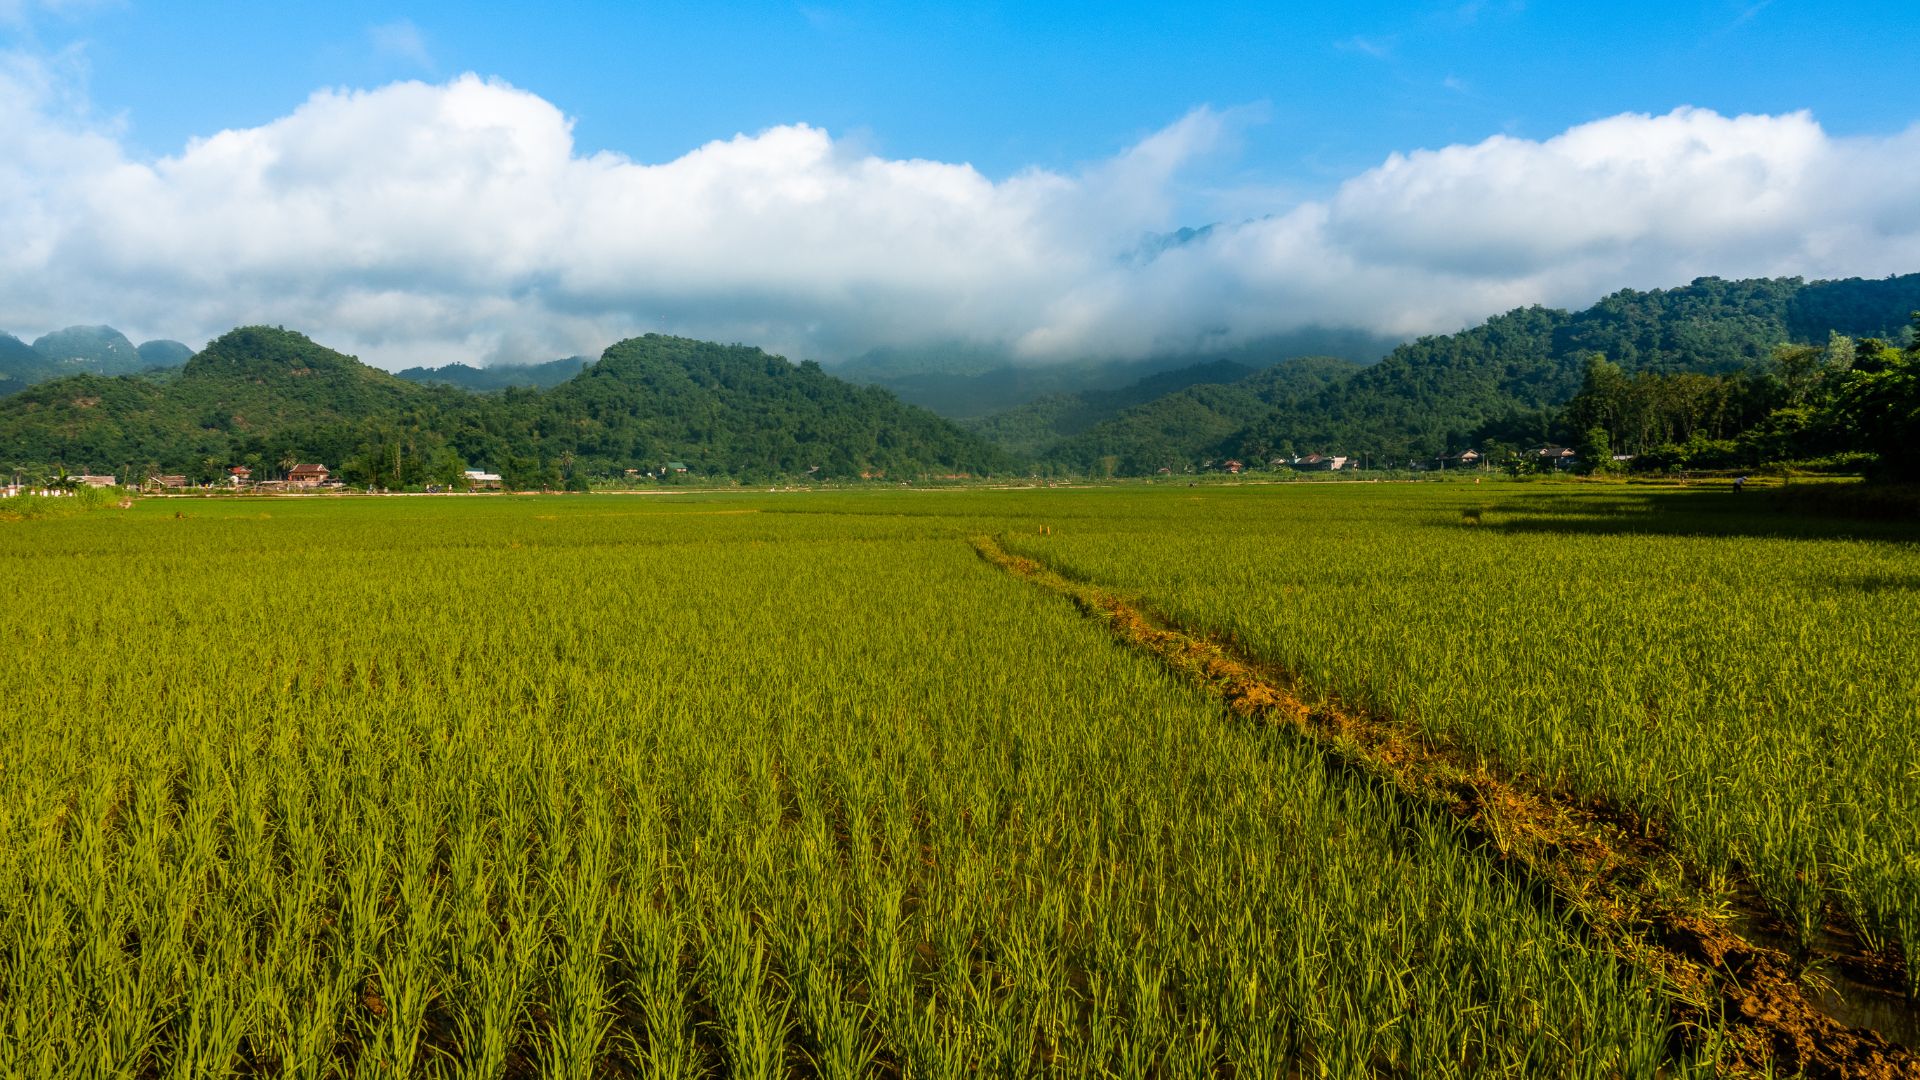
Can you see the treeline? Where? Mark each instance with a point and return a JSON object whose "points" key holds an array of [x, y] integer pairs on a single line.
{"points": [[1853, 403]]}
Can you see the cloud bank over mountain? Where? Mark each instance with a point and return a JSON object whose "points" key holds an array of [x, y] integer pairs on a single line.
{"points": [[423, 223]]}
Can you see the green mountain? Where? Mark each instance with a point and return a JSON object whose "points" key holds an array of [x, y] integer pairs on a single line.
{"points": [[967, 381], [255, 390], [1499, 379], [262, 396], [100, 350], [260, 377], [163, 354], [736, 411], [95, 350], [499, 376]]}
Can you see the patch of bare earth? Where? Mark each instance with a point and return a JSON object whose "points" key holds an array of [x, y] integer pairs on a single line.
{"points": [[1606, 867]]}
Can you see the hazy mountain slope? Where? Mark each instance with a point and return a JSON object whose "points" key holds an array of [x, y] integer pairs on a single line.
{"points": [[99, 350], [974, 381], [1179, 429], [80, 350], [20, 365], [163, 353], [1030, 429], [499, 376]]}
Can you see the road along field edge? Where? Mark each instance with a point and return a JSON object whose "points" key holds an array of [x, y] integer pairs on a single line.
{"points": [[1604, 867]]}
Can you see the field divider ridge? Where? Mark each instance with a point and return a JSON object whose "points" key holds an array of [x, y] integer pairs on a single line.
{"points": [[1601, 864]]}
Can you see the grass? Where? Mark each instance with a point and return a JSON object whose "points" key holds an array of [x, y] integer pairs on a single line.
{"points": [[1743, 679], [798, 785]]}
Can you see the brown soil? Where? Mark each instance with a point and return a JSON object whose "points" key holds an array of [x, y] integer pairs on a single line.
{"points": [[1605, 867]]}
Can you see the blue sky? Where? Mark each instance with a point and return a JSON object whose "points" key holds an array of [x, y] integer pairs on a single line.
{"points": [[368, 190], [1008, 86]]}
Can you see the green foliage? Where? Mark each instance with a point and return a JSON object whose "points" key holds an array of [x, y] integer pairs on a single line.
{"points": [[265, 397], [1638, 414], [1847, 400], [1880, 400]]}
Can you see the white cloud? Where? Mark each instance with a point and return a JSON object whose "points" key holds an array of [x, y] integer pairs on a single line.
{"points": [[401, 40], [430, 223]]}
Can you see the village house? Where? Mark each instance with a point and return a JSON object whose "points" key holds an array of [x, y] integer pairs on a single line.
{"points": [[95, 481], [1465, 459], [481, 480], [239, 475], [1555, 457], [1233, 466], [1320, 463], [171, 482], [307, 475]]}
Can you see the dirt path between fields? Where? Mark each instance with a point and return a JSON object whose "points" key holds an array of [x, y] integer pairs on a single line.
{"points": [[1606, 867]]}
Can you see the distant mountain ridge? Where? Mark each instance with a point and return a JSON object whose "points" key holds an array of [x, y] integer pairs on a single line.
{"points": [[262, 396], [499, 376], [1038, 425], [1502, 379], [163, 353], [260, 392], [973, 381], [95, 350], [1184, 427]]}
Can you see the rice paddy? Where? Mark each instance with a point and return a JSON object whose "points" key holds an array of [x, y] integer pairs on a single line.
{"points": [[799, 785]]}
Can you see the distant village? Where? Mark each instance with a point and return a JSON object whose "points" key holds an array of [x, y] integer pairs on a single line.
{"points": [[1540, 458], [316, 478], [299, 478]]}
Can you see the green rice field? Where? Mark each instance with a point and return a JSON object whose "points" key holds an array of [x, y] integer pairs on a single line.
{"points": [[796, 784]]}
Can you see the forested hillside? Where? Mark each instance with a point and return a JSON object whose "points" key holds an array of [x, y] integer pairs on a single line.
{"points": [[1505, 378], [722, 410], [267, 397], [1506, 381], [1703, 375]]}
